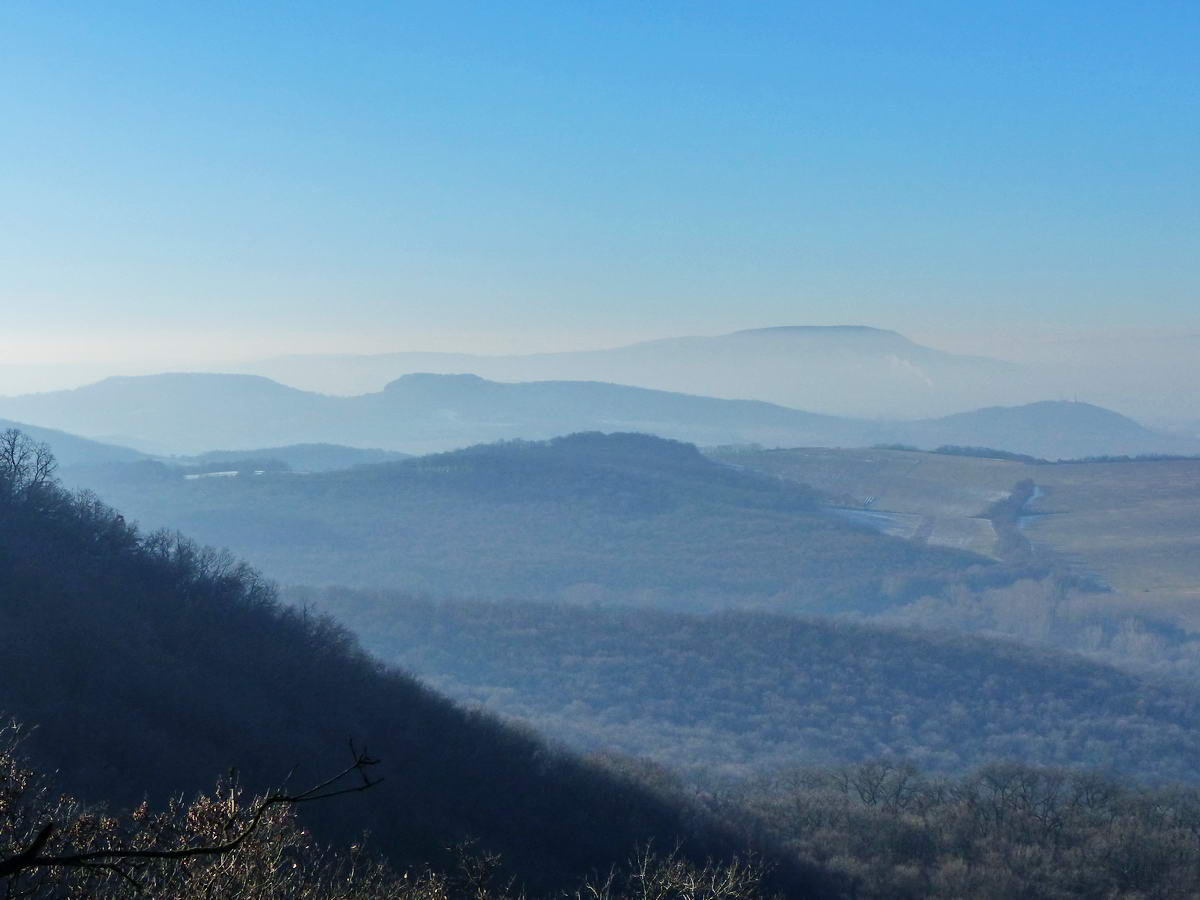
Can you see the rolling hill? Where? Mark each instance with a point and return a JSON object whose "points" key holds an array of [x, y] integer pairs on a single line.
{"points": [[838, 370], [72, 450], [149, 666], [742, 694], [297, 457], [613, 518], [1048, 429], [190, 414], [164, 414]]}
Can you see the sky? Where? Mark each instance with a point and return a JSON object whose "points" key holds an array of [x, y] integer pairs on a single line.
{"points": [[234, 180]]}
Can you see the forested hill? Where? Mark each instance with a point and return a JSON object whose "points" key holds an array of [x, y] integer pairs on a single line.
{"points": [[622, 517], [744, 693], [151, 666]]}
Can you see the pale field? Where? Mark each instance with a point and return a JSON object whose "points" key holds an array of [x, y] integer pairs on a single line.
{"points": [[938, 498], [1133, 525], [1136, 525]]}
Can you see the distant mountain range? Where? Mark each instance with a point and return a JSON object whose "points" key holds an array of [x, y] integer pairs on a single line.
{"points": [[420, 413], [847, 370], [843, 370]]}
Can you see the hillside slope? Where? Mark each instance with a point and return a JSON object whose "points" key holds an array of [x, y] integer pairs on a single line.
{"points": [[72, 450], [149, 665], [609, 518], [746, 693], [1048, 429], [163, 413]]}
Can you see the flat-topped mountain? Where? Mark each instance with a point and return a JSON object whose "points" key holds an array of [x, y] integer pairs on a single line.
{"points": [[847, 370], [843, 370]]}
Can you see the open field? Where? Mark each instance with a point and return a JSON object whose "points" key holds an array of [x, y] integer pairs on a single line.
{"points": [[1134, 525], [904, 493]]}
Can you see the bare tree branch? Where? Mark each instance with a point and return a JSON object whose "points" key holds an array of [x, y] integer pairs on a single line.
{"points": [[32, 858]]}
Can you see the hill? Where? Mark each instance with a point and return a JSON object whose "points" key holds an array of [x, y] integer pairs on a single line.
{"points": [[297, 457], [838, 370], [149, 666], [166, 414], [1049, 429], [190, 414], [746, 693], [72, 450], [610, 518]]}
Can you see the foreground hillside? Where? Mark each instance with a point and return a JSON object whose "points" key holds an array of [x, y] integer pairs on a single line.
{"points": [[626, 518], [149, 666], [746, 693]]}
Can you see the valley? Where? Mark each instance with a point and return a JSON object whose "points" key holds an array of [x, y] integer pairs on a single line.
{"points": [[1132, 525], [580, 451], [692, 624]]}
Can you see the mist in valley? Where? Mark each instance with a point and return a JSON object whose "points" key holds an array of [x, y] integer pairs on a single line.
{"points": [[611, 452]]}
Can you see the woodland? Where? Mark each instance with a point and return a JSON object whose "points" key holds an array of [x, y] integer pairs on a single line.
{"points": [[511, 746]]}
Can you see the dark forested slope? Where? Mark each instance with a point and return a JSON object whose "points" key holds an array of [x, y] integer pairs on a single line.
{"points": [[149, 665], [621, 517], [747, 692]]}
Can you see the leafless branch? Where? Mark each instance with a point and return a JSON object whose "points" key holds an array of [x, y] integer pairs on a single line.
{"points": [[31, 857]]}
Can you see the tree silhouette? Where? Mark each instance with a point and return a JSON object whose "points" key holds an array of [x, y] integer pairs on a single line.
{"points": [[25, 464]]}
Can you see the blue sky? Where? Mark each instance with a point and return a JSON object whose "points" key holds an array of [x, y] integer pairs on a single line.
{"points": [[245, 178]]}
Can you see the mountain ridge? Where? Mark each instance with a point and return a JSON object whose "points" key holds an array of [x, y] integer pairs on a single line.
{"points": [[852, 370], [176, 413], [147, 665]]}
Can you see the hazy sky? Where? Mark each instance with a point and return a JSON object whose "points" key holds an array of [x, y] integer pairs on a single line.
{"points": [[236, 179]]}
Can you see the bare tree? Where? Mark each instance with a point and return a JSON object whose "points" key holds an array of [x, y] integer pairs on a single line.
{"points": [[25, 464], [123, 860]]}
